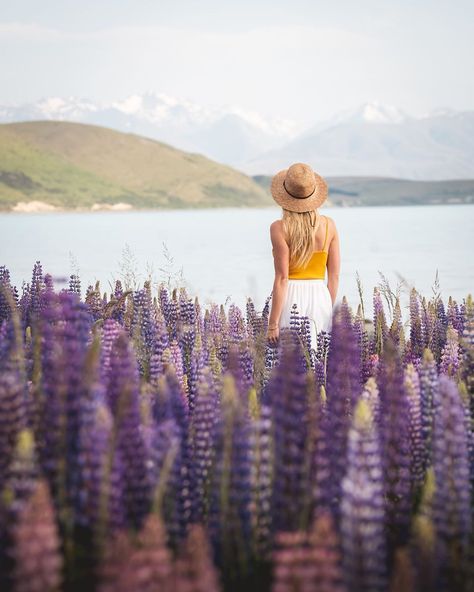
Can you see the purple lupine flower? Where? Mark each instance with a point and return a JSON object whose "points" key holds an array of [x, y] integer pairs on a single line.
{"points": [[438, 339], [13, 412], [261, 442], [196, 367], [36, 544], [454, 315], [417, 444], [363, 506], [343, 389], [396, 328], [201, 435], [142, 328], [467, 345], [326, 553], [168, 455], [177, 362], [309, 561], [123, 399], [288, 398], [236, 323], [160, 344], [394, 433], [254, 321], [94, 301], [75, 284], [380, 324], [194, 570], [452, 512], [416, 329], [451, 356], [428, 392], [143, 564], [64, 390], [8, 294], [364, 345], [37, 287], [229, 511], [187, 312], [169, 308], [241, 368], [100, 493], [322, 353], [109, 333]]}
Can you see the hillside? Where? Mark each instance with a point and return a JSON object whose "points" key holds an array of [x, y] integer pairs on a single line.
{"points": [[72, 165], [386, 191]]}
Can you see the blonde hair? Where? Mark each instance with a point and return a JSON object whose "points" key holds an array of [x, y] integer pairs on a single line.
{"points": [[300, 228]]}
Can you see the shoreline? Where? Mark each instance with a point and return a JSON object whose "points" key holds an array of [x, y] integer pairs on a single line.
{"points": [[38, 207]]}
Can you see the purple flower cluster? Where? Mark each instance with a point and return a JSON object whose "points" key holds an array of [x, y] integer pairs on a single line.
{"points": [[149, 443]]}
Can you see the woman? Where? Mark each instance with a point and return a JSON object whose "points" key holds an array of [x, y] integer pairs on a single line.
{"points": [[305, 243]]}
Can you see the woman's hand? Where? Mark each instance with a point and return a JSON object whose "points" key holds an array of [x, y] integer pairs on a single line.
{"points": [[273, 333]]}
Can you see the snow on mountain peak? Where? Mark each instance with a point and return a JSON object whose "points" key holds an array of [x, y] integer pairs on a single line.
{"points": [[371, 112]]}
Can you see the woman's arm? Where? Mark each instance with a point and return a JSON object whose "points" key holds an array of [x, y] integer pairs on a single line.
{"points": [[333, 264], [281, 256]]}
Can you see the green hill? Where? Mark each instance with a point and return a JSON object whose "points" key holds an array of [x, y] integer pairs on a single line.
{"points": [[387, 191], [72, 165]]}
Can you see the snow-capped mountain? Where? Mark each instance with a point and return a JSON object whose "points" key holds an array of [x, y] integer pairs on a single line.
{"points": [[378, 140], [372, 139], [229, 134]]}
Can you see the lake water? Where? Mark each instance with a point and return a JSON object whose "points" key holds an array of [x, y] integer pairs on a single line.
{"points": [[224, 255]]}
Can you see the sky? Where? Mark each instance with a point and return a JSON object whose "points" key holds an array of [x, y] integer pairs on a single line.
{"points": [[303, 60]]}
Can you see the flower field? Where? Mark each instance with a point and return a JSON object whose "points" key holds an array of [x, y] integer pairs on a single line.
{"points": [[149, 444]]}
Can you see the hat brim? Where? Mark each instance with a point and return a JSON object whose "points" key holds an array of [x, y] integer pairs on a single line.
{"points": [[285, 200]]}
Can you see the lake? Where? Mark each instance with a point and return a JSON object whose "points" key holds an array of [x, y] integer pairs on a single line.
{"points": [[224, 255]]}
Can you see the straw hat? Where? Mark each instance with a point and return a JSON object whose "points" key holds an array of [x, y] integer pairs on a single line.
{"points": [[299, 188]]}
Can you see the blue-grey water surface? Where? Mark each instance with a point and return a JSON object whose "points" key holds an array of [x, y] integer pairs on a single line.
{"points": [[224, 255]]}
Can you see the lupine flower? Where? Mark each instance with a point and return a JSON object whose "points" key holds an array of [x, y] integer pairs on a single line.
{"points": [[394, 432], [230, 526], [428, 391], [380, 323], [145, 565], [416, 329], [417, 444], [261, 483], [289, 402], [343, 389], [201, 433], [74, 284], [123, 398], [363, 506], [36, 544], [467, 343], [451, 357], [452, 512], [309, 561], [194, 570]]}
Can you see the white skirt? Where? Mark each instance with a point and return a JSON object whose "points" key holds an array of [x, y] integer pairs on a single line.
{"points": [[313, 300]]}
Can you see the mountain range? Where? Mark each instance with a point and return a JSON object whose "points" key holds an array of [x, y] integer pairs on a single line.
{"points": [[371, 139]]}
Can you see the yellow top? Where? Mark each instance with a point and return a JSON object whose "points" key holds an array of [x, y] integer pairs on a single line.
{"points": [[316, 267]]}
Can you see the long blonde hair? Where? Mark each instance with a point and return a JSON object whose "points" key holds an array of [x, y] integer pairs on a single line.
{"points": [[300, 228]]}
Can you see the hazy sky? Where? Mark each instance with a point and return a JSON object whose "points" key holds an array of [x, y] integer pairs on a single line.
{"points": [[301, 59]]}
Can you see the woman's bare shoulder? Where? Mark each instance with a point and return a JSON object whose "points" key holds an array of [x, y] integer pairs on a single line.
{"points": [[276, 227], [331, 222]]}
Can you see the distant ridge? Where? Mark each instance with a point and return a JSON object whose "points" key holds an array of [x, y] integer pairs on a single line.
{"points": [[387, 191], [73, 165]]}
